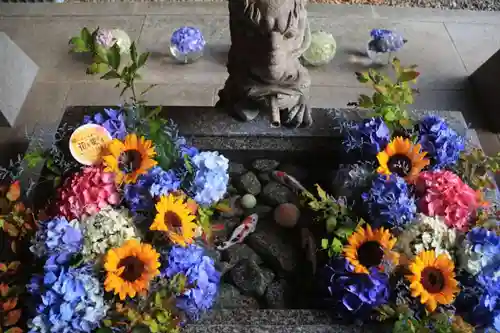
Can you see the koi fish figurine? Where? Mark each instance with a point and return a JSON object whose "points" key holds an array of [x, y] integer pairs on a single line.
{"points": [[285, 179], [241, 232]]}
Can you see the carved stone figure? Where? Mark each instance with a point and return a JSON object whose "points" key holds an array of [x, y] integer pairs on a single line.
{"points": [[267, 39]]}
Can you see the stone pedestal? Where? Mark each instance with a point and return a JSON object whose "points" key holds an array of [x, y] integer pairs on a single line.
{"points": [[17, 74], [486, 84]]}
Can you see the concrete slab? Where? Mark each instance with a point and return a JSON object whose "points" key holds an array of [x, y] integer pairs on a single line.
{"points": [[18, 72], [475, 43]]}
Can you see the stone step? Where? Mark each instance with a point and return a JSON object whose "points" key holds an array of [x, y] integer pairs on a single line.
{"points": [[288, 317], [257, 328]]}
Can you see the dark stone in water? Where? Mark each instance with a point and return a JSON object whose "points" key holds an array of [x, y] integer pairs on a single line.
{"points": [[265, 165], [239, 252], [249, 183], [236, 169], [264, 177], [229, 297], [261, 210], [295, 171], [234, 204], [276, 194], [276, 295], [251, 279], [277, 254]]}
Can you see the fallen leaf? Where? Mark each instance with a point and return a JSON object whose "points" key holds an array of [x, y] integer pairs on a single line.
{"points": [[3, 267], [13, 247], [14, 265], [14, 192], [19, 207], [14, 330], [4, 289], [12, 317], [9, 304], [10, 229]]}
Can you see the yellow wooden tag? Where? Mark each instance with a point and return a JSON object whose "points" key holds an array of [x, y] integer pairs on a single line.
{"points": [[87, 142]]}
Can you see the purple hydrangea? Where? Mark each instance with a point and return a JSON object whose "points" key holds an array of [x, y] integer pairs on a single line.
{"points": [[384, 40], [71, 300], [370, 136], [211, 177], [104, 38], [389, 202], [57, 236], [442, 144], [352, 292], [200, 272], [110, 119], [187, 40]]}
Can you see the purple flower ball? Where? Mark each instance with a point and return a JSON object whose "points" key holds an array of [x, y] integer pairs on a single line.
{"points": [[188, 40]]}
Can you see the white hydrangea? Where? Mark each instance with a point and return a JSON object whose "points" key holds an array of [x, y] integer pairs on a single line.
{"points": [[470, 260], [427, 233], [122, 39], [107, 229]]}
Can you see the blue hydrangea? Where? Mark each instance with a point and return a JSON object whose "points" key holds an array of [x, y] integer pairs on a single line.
{"points": [[354, 293], [71, 300], [384, 40], [57, 236], [389, 202], [211, 177], [200, 272], [370, 136], [112, 120], [442, 144], [480, 250], [184, 148], [187, 40]]}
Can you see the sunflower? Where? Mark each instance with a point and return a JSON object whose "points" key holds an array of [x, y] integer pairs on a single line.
{"points": [[370, 248], [402, 158], [433, 279], [129, 159], [129, 268], [175, 217]]}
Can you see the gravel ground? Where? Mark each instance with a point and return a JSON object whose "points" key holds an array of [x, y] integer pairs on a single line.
{"points": [[486, 5]]}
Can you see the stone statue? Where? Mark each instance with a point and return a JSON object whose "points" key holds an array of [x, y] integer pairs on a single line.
{"points": [[267, 39]]}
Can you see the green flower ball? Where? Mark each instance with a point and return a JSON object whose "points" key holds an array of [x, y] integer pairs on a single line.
{"points": [[322, 49]]}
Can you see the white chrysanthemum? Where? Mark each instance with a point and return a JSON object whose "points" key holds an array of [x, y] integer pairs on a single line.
{"points": [[107, 229], [427, 233], [122, 39]]}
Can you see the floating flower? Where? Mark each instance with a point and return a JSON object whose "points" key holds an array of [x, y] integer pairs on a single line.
{"points": [[107, 229], [129, 159], [384, 40], [187, 40], [174, 217], [443, 193], [433, 279], [86, 192], [480, 249], [130, 268], [369, 135], [402, 158], [211, 178], [442, 144], [389, 202], [427, 233], [200, 272], [57, 235], [72, 300], [104, 38], [352, 292], [369, 248], [112, 120]]}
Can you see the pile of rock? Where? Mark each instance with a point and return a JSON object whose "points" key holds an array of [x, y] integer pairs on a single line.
{"points": [[261, 271]]}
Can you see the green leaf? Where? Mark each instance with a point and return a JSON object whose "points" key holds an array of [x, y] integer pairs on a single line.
{"points": [[113, 55], [324, 243], [344, 232], [321, 193], [110, 75], [362, 77], [97, 68], [101, 53], [336, 245], [408, 76], [380, 89], [158, 300], [104, 330], [365, 101], [33, 158], [78, 45], [331, 224], [86, 36], [389, 116], [133, 53], [142, 59]]}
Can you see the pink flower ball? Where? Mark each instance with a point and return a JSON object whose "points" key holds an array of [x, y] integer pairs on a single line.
{"points": [[86, 192], [443, 193]]}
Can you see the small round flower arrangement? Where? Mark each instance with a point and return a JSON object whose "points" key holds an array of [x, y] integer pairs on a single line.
{"points": [[382, 44], [187, 44]]}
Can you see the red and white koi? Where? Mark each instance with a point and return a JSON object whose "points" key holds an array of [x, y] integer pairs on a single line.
{"points": [[246, 227], [288, 180]]}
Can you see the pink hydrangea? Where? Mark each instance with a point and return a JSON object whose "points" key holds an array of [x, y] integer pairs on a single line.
{"points": [[444, 194], [86, 192]]}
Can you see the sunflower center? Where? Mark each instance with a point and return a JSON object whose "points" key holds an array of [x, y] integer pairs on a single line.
{"points": [[133, 270], [173, 222], [432, 280], [399, 164], [130, 161], [370, 254]]}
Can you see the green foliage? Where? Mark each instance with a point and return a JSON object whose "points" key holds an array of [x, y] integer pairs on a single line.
{"points": [[336, 216], [205, 217], [391, 96], [476, 168]]}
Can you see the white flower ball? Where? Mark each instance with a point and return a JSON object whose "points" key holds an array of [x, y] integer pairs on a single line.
{"points": [[122, 39]]}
